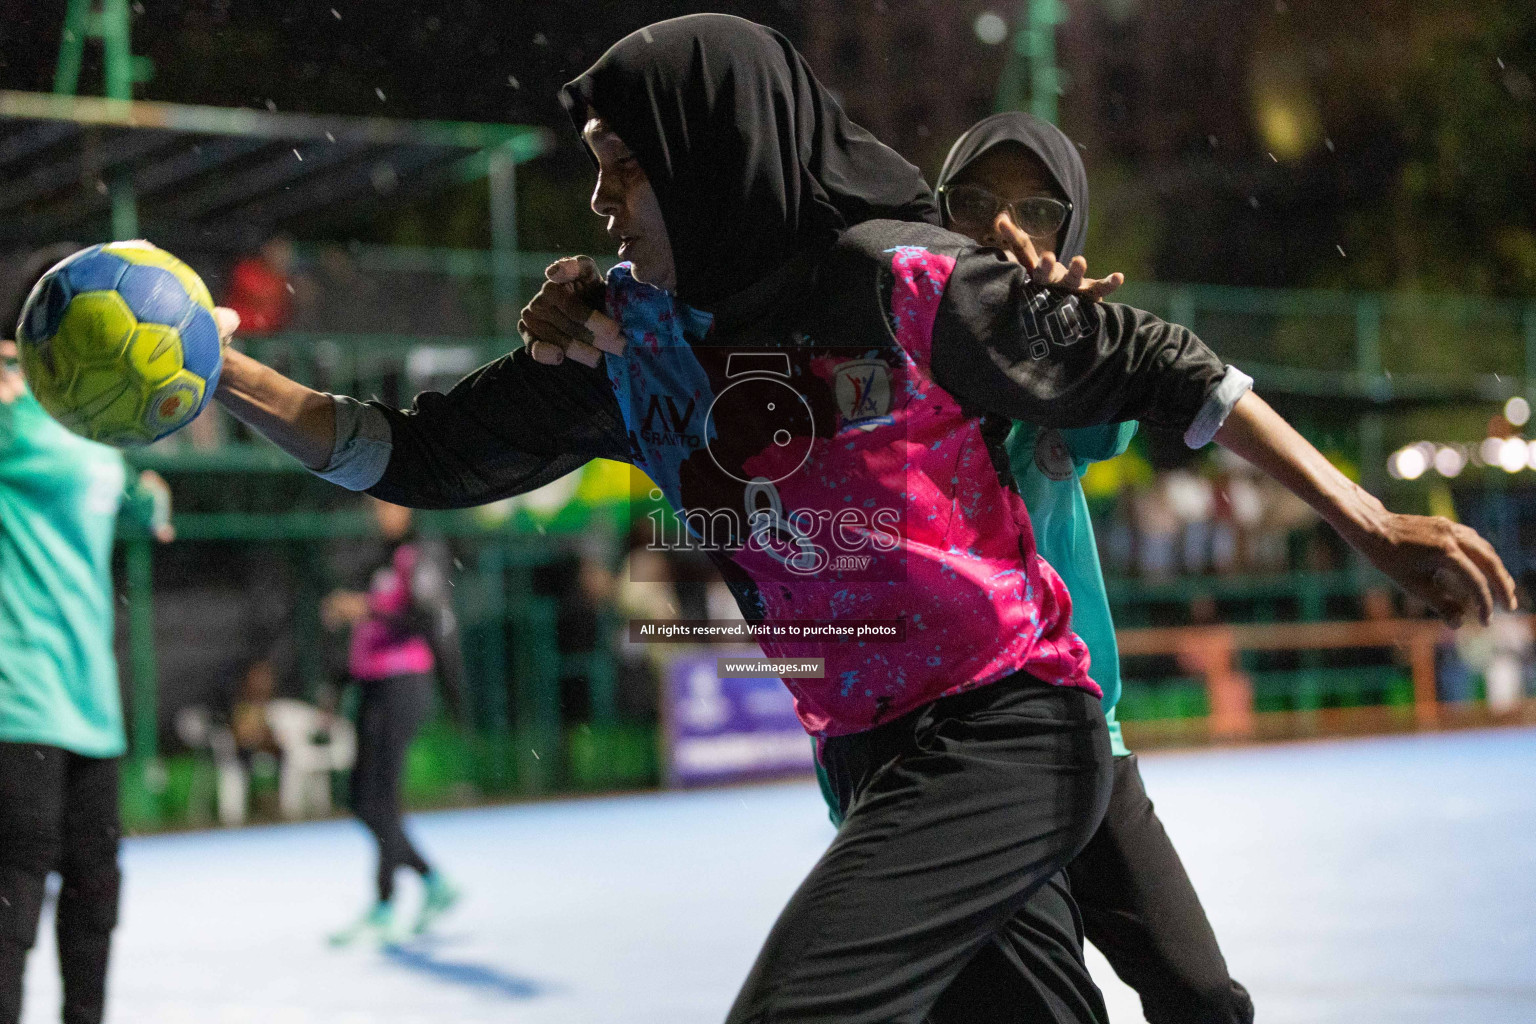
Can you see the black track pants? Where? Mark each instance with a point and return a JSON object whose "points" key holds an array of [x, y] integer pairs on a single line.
{"points": [[959, 818], [1138, 907], [58, 812], [387, 719]]}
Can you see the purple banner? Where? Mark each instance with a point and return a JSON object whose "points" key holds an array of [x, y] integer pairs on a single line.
{"points": [[730, 730]]}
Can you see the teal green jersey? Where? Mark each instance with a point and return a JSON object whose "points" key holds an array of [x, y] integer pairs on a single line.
{"points": [[59, 500], [1048, 466]]}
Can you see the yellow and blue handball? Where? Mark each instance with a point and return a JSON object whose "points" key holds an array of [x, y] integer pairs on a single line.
{"points": [[119, 344]]}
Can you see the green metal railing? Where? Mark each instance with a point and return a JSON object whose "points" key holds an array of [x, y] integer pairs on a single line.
{"points": [[1366, 350]]}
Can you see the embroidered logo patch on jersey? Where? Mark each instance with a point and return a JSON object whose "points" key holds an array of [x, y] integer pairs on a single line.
{"points": [[863, 388], [1052, 456]]}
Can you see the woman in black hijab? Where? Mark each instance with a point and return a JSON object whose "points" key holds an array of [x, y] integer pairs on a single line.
{"points": [[751, 159], [1137, 902], [845, 478]]}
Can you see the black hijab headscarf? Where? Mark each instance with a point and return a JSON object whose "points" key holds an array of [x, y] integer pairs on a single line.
{"points": [[752, 160], [1045, 141]]}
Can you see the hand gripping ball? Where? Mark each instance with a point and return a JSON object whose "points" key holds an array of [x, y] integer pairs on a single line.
{"points": [[119, 344]]}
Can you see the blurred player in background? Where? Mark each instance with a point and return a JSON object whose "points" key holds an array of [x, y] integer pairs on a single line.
{"points": [[974, 762], [61, 718], [403, 634]]}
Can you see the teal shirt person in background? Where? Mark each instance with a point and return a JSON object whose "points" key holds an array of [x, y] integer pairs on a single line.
{"points": [[61, 716], [1048, 466], [60, 498], [1136, 901]]}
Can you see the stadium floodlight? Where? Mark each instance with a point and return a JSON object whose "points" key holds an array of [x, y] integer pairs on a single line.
{"points": [[1408, 463], [1517, 411], [1490, 450], [1449, 461], [1512, 454]]}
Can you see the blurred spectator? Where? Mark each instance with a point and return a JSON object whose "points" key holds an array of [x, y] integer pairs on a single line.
{"points": [[262, 734], [1501, 651], [1157, 524], [260, 289]]}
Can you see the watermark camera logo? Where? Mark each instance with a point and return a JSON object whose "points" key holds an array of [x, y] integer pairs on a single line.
{"points": [[761, 413]]}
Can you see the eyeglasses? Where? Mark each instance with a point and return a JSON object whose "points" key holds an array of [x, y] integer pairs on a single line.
{"points": [[971, 206]]}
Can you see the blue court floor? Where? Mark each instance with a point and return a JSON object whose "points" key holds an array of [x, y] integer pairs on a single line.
{"points": [[1383, 880]]}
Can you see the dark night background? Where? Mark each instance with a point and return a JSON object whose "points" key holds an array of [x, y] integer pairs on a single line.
{"points": [[1229, 142]]}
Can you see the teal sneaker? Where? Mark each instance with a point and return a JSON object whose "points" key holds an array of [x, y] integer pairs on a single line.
{"points": [[377, 924], [440, 898]]}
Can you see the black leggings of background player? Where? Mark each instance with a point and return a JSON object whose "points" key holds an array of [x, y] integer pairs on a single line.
{"points": [[391, 712], [58, 812], [1138, 907], [1137, 904]]}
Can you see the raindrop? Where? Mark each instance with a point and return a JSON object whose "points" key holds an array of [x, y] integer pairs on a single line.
{"points": [[1273, 159], [540, 39], [1253, 201], [271, 105], [330, 137], [513, 82], [379, 93], [1329, 143], [990, 28], [298, 154], [1340, 248], [384, 178], [1211, 139], [335, 14]]}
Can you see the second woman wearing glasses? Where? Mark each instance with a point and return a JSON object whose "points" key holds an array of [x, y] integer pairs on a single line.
{"points": [[1137, 903]]}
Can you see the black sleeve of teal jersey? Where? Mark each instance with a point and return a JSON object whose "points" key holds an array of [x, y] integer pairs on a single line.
{"points": [[509, 427], [1006, 345]]}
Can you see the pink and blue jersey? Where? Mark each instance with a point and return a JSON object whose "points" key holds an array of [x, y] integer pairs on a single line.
{"points": [[857, 431], [833, 438]]}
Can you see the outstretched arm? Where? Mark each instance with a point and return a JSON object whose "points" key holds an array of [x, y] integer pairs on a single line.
{"points": [[1129, 364], [299, 420], [509, 427], [1445, 565]]}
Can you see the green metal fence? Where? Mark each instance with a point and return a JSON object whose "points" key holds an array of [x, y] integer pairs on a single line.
{"points": [[1374, 355]]}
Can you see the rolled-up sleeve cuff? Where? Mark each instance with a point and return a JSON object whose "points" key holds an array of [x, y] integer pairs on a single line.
{"points": [[1218, 405], [363, 446]]}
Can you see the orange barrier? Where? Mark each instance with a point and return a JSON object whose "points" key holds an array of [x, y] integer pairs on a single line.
{"points": [[1212, 652]]}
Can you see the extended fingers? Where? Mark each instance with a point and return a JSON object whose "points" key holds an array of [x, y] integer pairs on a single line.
{"points": [[1019, 245], [1481, 552], [1048, 271], [1072, 280], [1102, 287], [1465, 587]]}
